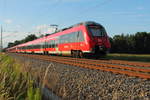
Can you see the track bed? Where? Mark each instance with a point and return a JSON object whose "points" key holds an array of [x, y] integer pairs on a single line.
{"points": [[71, 82]]}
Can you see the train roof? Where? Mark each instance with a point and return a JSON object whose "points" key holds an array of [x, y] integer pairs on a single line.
{"points": [[86, 23]]}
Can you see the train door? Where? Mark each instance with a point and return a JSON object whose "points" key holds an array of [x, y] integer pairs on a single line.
{"points": [[79, 38], [78, 46], [45, 47], [56, 42]]}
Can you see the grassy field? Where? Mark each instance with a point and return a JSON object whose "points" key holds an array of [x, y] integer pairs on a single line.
{"points": [[15, 82], [130, 57]]}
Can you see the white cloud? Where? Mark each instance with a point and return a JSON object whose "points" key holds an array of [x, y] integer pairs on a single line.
{"points": [[43, 29], [8, 21], [40, 29], [11, 36], [140, 8]]}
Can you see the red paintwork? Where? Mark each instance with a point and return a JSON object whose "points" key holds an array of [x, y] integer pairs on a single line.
{"points": [[87, 45]]}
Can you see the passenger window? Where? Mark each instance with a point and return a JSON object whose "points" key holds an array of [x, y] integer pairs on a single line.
{"points": [[80, 36]]}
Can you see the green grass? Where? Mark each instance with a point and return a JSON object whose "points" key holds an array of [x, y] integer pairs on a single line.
{"points": [[130, 57], [15, 83]]}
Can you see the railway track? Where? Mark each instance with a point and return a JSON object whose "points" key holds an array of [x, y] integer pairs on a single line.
{"points": [[134, 69]]}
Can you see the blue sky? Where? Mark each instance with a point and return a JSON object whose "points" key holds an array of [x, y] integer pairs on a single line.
{"points": [[22, 17]]}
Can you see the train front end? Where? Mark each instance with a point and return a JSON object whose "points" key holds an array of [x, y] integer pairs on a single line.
{"points": [[98, 39]]}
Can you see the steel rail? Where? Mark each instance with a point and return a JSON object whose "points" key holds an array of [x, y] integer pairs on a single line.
{"points": [[131, 71], [106, 65]]}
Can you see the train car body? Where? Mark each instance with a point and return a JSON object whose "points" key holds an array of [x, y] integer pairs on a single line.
{"points": [[87, 38]]}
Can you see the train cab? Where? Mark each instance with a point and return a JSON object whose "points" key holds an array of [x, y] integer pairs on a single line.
{"points": [[99, 40]]}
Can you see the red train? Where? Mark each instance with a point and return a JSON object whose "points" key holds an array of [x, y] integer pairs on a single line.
{"points": [[83, 39]]}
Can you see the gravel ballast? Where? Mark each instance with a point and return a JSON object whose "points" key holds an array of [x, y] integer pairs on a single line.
{"points": [[75, 83]]}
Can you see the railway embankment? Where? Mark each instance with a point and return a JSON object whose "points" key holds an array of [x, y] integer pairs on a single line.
{"points": [[76, 83]]}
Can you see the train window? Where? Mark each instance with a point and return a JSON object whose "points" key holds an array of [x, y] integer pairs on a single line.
{"points": [[71, 37], [25, 47], [66, 40], [29, 47], [54, 43], [97, 30], [36, 46], [74, 36], [32, 46], [41, 45], [61, 39], [80, 36], [46, 45], [51, 43]]}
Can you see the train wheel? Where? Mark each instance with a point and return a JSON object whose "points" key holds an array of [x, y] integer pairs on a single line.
{"points": [[81, 54], [46, 52], [78, 54], [75, 54]]}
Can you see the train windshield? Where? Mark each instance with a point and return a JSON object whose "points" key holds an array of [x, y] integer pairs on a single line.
{"points": [[97, 30]]}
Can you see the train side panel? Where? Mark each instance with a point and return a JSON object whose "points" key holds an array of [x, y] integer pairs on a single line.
{"points": [[84, 38]]}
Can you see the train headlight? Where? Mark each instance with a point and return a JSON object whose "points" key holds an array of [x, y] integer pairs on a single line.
{"points": [[101, 47]]}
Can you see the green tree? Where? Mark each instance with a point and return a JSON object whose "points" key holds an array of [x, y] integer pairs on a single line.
{"points": [[120, 44], [142, 42], [10, 44], [28, 38], [136, 43]]}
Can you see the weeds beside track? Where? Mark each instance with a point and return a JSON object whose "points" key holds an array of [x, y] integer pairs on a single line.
{"points": [[15, 83]]}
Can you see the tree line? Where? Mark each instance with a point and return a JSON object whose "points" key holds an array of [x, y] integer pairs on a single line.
{"points": [[26, 39], [138, 43]]}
